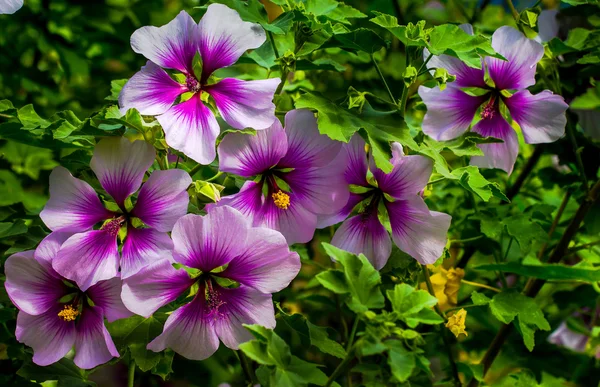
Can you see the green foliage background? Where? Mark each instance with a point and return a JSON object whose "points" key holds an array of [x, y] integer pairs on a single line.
{"points": [[62, 64]]}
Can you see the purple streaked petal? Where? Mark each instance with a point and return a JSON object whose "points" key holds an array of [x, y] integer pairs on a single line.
{"points": [[449, 112], [8, 7], [296, 223], [306, 146], [210, 241], [497, 155], [50, 337], [245, 104], [142, 247], [120, 164], [172, 45], [417, 231], [565, 337], [541, 116], [88, 257], [189, 331], [319, 190], [547, 25], [190, 127], [331, 219], [30, 286], [267, 265], [364, 234], [163, 199], [242, 305], [410, 174], [49, 247], [249, 201], [465, 76], [151, 91], [356, 170], [224, 37], [74, 206], [522, 54], [93, 344], [107, 296], [154, 286], [245, 155]]}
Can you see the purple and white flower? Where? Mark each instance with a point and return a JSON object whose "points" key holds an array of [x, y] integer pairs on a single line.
{"points": [[296, 175], [451, 111], [237, 267], [220, 38], [55, 314], [92, 255], [394, 196], [10, 6]]}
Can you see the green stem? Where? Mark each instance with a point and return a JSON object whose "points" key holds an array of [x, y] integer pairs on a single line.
{"points": [[195, 170], [466, 240], [508, 248], [352, 333], [273, 46], [246, 367], [131, 373], [555, 222], [215, 176], [437, 180], [424, 65], [447, 344], [383, 80], [570, 132], [284, 75], [340, 368], [513, 10], [575, 249], [166, 160], [478, 285]]}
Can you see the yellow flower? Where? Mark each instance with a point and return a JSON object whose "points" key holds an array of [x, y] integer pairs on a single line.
{"points": [[446, 284], [456, 323]]}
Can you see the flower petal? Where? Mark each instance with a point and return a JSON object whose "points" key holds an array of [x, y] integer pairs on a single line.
{"points": [[364, 234], [172, 45], [107, 296], [189, 331], [567, 338], [151, 91], [142, 247], [88, 257], [8, 7], [267, 265], [449, 112], [548, 26], [74, 206], [306, 146], [242, 305], [163, 199], [50, 337], [356, 170], [541, 116], [190, 127], [522, 55], [30, 286], [296, 223], [120, 164], [245, 104], [410, 174], [320, 190], [210, 241], [249, 201], [93, 344], [224, 37], [154, 286], [497, 155], [417, 231], [331, 219], [247, 156]]}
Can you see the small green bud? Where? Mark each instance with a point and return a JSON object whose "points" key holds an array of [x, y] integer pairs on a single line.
{"points": [[409, 75], [442, 77], [356, 99]]}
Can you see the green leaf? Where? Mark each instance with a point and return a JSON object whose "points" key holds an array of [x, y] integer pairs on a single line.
{"points": [[413, 306], [311, 334], [508, 305], [411, 35], [253, 11], [340, 124], [480, 299], [525, 230], [401, 361], [471, 179], [358, 278], [64, 371], [115, 89], [588, 101], [360, 39], [8, 229], [546, 271], [471, 370]]}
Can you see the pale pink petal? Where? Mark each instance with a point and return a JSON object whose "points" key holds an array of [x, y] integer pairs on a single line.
{"points": [[497, 155], [410, 174], [120, 164], [142, 247], [93, 344], [74, 206], [106, 295]]}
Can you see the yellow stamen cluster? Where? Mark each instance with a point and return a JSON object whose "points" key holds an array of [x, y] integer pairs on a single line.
{"points": [[68, 313], [456, 323], [281, 199]]}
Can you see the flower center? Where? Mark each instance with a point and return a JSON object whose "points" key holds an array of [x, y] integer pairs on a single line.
{"points": [[68, 313], [114, 225], [192, 83], [213, 299], [281, 199], [489, 110]]}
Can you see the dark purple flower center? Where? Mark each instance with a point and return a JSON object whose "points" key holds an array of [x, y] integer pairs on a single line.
{"points": [[281, 197], [192, 83], [213, 299], [490, 108], [114, 225]]}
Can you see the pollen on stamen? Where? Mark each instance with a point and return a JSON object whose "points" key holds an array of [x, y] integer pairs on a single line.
{"points": [[213, 301], [281, 199], [487, 112], [114, 225], [68, 313], [192, 84]]}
